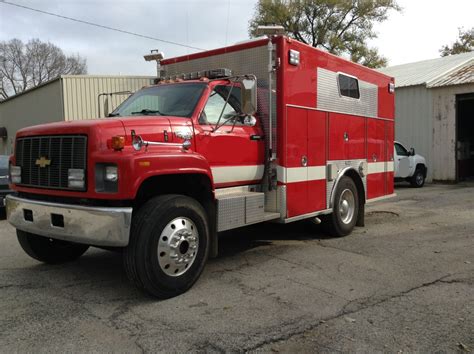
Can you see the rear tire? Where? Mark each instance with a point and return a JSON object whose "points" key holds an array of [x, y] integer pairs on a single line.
{"points": [[418, 178], [49, 250], [169, 245], [345, 212]]}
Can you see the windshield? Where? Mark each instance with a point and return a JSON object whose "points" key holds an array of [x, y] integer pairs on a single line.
{"points": [[167, 100]]}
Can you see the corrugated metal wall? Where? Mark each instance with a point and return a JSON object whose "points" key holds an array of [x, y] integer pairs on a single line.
{"points": [[80, 93], [414, 122], [40, 105], [444, 130]]}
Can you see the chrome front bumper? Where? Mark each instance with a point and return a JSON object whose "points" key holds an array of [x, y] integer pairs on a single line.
{"points": [[98, 226]]}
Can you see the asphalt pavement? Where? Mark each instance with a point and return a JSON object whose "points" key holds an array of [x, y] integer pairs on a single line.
{"points": [[404, 282]]}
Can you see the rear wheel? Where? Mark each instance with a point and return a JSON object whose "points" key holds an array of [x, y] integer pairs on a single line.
{"points": [[343, 218], [418, 178], [169, 245], [49, 250]]}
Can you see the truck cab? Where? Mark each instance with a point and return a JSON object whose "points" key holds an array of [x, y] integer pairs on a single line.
{"points": [[409, 166]]}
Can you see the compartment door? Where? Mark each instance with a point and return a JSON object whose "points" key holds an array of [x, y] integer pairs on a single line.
{"points": [[376, 158], [295, 173]]}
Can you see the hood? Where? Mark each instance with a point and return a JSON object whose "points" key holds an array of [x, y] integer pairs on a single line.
{"points": [[97, 130], [100, 131]]}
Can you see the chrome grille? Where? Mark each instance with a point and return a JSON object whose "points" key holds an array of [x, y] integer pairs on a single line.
{"points": [[63, 152]]}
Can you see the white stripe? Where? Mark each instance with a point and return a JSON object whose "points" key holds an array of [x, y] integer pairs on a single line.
{"points": [[316, 173], [390, 167], [300, 174], [376, 167], [227, 174]]}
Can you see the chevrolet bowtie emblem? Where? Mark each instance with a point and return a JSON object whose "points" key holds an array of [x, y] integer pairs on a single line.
{"points": [[42, 162]]}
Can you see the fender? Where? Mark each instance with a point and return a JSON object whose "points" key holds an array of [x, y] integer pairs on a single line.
{"points": [[151, 164], [336, 183]]}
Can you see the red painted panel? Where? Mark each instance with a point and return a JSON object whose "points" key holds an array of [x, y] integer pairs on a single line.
{"points": [[354, 147], [296, 136], [317, 122], [389, 127], [297, 199], [375, 140], [375, 185], [316, 195]]}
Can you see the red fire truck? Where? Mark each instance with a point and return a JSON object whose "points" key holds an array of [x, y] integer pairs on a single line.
{"points": [[268, 130]]}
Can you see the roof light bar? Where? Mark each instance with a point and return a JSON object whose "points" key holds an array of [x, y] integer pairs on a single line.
{"points": [[196, 75]]}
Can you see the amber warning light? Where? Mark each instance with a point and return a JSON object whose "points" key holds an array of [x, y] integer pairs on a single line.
{"points": [[118, 142]]}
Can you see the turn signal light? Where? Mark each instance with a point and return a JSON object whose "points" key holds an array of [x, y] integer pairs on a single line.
{"points": [[118, 142]]}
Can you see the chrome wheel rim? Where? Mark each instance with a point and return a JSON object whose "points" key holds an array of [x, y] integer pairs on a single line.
{"points": [[178, 246], [346, 206]]}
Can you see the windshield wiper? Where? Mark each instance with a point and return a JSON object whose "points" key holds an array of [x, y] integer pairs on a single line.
{"points": [[147, 111], [113, 114]]}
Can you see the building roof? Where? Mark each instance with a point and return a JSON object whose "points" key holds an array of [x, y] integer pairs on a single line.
{"points": [[449, 70], [76, 77]]}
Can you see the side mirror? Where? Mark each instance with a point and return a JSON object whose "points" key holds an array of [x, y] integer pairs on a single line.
{"points": [[412, 152], [250, 121], [249, 96]]}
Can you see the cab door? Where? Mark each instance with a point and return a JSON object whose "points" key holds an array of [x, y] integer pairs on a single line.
{"points": [[402, 161], [234, 150]]}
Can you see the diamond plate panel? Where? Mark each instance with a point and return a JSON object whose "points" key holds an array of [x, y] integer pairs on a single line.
{"points": [[254, 207], [230, 212], [329, 99]]}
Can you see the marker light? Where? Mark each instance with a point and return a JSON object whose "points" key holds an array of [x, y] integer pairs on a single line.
{"points": [[118, 142]]}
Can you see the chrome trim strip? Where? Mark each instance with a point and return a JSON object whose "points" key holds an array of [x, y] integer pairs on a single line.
{"points": [[98, 226], [332, 111], [381, 198], [307, 216]]}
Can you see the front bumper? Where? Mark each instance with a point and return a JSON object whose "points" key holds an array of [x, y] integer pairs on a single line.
{"points": [[97, 226]]}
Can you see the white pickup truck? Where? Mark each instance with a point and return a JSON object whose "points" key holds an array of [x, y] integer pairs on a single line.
{"points": [[409, 166]]}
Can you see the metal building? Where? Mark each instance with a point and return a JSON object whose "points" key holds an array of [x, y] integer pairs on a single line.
{"points": [[434, 108], [69, 97]]}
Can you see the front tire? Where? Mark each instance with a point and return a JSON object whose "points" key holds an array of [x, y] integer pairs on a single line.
{"points": [[48, 250], [345, 212], [169, 245], [418, 178]]}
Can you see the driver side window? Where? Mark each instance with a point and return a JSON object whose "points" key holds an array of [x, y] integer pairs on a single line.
{"points": [[401, 151], [217, 102], [213, 109]]}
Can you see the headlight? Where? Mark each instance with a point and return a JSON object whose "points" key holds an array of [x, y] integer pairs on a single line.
{"points": [[106, 178], [111, 173], [15, 174], [75, 178]]}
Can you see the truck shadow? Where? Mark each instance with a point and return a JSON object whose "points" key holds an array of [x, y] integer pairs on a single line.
{"points": [[98, 276]]}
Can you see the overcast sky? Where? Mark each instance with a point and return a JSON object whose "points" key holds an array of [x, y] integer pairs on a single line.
{"points": [[415, 34]]}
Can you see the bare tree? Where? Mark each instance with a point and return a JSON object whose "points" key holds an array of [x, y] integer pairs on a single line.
{"points": [[23, 66]]}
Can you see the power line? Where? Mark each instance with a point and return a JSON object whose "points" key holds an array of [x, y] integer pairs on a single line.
{"points": [[100, 26]]}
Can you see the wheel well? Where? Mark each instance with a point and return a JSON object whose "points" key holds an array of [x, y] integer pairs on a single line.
{"points": [[358, 182], [361, 194], [422, 167], [196, 186]]}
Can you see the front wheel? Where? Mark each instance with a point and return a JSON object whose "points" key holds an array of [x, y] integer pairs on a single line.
{"points": [[418, 179], [345, 212], [169, 245], [49, 250]]}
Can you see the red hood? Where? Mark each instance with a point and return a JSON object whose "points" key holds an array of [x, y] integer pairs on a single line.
{"points": [[100, 131]]}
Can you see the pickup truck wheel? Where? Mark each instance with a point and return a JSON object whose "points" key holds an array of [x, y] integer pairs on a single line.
{"points": [[418, 178], [169, 245], [343, 218], [49, 250]]}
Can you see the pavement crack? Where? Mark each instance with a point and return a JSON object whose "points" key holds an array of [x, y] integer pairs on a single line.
{"points": [[366, 303]]}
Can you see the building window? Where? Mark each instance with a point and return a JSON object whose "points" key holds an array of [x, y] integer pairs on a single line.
{"points": [[348, 86]]}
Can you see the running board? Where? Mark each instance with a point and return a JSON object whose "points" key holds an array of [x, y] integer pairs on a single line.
{"points": [[241, 208]]}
